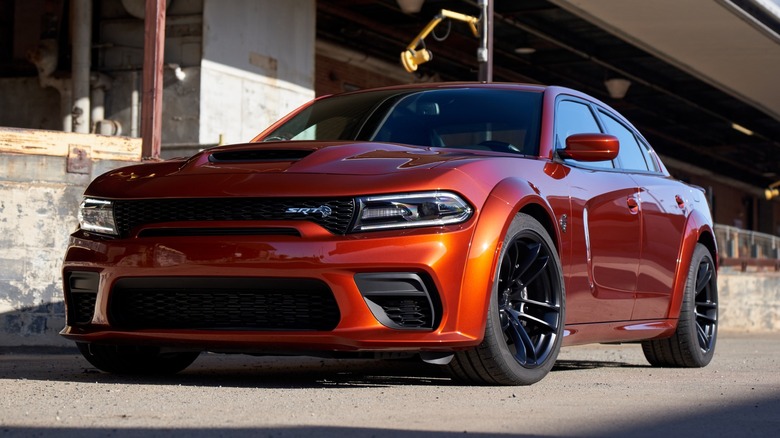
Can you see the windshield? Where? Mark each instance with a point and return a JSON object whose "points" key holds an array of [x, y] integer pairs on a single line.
{"points": [[464, 118]]}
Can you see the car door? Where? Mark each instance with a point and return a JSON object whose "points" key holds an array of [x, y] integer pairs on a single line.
{"points": [[605, 227], [663, 208]]}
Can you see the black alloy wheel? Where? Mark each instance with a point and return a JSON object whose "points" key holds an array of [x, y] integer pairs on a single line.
{"points": [[693, 343], [529, 316], [526, 315], [706, 305]]}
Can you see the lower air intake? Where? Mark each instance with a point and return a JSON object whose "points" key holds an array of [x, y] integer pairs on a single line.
{"points": [[223, 303], [400, 300], [81, 289]]}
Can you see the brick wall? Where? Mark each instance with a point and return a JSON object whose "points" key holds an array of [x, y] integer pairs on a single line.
{"points": [[333, 76]]}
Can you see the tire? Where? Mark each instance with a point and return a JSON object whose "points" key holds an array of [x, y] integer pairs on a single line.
{"points": [[525, 319], [135, 360], [693, 343]]}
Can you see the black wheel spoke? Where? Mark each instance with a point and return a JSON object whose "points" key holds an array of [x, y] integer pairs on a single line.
{"points": [[546, 306], [527, 255], [705, 310], [514, 255], [533, 272], [705, 317], [525, 349], [703, 277], [539, 323], [703, 337]]}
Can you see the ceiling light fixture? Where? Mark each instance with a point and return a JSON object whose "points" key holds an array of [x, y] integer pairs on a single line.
{"points": [[410, 6], [617, 87], [772, 191], [412, 56], [741, 129]]}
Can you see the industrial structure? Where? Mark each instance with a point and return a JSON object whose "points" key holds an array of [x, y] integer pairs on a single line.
{"points": [[698, 78]]}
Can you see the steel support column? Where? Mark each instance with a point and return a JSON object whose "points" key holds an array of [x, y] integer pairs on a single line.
{"points": [[151, 101], [485, 54]]}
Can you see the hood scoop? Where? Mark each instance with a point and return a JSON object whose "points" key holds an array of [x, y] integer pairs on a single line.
{"points": [[259, 155]]}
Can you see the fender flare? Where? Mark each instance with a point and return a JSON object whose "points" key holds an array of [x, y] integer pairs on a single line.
{"points": [[505, 201], [696, 227]]}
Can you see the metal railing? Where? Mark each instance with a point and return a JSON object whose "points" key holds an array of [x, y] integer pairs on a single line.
{"points": [[742, 248]]}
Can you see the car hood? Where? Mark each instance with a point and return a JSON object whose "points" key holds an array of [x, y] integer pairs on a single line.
{"points": [[304, 169], [338, 158]]}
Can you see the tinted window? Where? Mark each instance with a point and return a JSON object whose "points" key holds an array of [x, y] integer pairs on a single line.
{"points": [[630, 156], [576, 118], [467, 118], [650, 158], [336, 118], [497, 120]]}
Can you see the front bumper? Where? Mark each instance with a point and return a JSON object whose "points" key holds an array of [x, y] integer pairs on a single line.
{"points": [[347, 265]]}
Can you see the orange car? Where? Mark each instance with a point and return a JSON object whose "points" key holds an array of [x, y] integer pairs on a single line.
{"points": [[479, 226]]}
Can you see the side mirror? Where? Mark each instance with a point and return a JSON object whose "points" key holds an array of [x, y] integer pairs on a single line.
{"points": [[590, 147]]}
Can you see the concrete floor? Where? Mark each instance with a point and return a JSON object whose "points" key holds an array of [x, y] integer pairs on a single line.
{"points": [[597, 390]]}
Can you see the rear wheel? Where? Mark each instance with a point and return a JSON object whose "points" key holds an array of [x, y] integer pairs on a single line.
{"points": [[693, 343], [526, 314], [135, 360]]}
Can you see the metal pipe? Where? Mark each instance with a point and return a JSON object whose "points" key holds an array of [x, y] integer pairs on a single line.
{"points": [[134, 106], [66, 97], [99, 84], [485, 51], [81, 18]]}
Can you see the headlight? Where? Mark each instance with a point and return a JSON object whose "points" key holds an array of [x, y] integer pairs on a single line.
{"points": [[97, 215], [410, 210]]}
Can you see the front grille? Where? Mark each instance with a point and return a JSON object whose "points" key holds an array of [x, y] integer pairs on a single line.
{"points": [[130, 214], [223, 303], [195, 232]]}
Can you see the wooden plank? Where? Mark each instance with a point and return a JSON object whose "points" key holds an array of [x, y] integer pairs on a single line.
{"points": [[57, 143]]}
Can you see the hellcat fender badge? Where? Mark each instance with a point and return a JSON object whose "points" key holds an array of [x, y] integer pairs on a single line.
{"points": [[322, 210], [564, 221]]}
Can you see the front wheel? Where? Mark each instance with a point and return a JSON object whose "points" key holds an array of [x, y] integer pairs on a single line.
{"points": [[693, 343], [135, 360], [525, 318]]}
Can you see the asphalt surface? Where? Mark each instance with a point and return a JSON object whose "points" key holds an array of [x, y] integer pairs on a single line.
{"points": [[600, 390]]}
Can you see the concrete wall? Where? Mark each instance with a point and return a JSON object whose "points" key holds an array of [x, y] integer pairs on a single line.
{"points": [[258, 65], [38, 205], [750, 302]]}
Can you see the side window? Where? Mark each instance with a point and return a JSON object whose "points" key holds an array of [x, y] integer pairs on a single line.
{"points": [[576, 118], [630, 156], [650, 158]]}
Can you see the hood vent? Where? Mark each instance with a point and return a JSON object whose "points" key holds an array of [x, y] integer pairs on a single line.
{"points": [[255, 155]]}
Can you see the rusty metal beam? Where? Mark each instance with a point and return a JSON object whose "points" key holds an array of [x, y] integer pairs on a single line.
{"points": [[151, 100]]}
